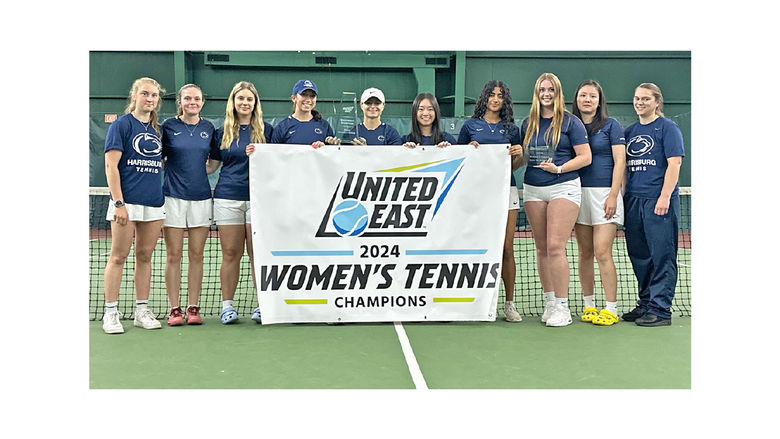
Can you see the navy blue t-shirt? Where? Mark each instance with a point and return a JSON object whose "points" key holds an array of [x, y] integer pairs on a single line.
{"points": [[139, 167], [428, 140], [599, 172], [233, 183], [185, 151], [384, 134], [293, 131], [572, 133], [647, 149], [489, 133]]}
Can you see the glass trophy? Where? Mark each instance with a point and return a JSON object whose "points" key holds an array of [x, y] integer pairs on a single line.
{"points": [[540, 153], [347, 116]]}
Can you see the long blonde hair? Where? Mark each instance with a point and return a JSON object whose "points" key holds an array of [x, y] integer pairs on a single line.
{"points": [[659, 97], [131, 100], [553, 133], [231, 127], [179, 109]]}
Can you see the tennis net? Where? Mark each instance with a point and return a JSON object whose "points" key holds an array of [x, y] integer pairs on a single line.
{"points": [[528, 291]]}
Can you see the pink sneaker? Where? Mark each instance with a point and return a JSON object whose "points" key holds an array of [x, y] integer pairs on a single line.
{"points": [[176, 318], [193, 315]]}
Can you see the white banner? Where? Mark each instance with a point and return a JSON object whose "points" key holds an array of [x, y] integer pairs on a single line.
{"points": [[378, 233]]}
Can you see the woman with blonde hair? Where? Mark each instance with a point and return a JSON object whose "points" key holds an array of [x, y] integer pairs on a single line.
{"points": [[133, 162], [556, 146], [654, 152], [601, 210], [186, 140], [243, 125]]}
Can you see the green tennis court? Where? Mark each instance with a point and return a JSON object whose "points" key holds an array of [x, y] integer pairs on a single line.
{"points": [[458, 355]]}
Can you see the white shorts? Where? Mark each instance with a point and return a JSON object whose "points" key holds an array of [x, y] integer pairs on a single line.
{"points": [[514, 198], [231, 212], [592, 207], [137, 212], [568, 190], [183, 214]]}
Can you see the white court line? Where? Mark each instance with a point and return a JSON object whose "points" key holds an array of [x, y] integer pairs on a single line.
{"points": [[411, 361]]}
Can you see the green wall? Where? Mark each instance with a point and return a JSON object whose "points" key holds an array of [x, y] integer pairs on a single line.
{"points": [[456, 78]]}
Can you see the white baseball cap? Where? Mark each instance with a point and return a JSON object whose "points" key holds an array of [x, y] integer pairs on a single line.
{"points": [[372, 93]]}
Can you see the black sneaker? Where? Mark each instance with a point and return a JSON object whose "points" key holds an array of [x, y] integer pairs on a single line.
{"points": [[634, 314], [652, 320]]}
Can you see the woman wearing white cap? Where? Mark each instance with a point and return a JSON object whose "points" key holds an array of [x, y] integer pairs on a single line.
{"points": [[306, 125], [373, 131]]}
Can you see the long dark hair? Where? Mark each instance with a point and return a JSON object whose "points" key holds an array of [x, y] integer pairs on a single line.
{"points": [[506, 113], [316, 115], [416, 135], [601, 116]]}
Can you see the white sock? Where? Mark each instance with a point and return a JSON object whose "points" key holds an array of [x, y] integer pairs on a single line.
{"points": [[549, 296], [612, 307], [112, 305], [227, 304], [589, 302], [562, 301], [141, 304]]}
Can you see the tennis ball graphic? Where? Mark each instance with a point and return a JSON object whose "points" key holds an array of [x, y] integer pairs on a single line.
{"points": [[350, 218]]}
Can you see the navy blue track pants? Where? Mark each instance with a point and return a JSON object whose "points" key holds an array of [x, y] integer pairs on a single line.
{"points": [[651, 241]]}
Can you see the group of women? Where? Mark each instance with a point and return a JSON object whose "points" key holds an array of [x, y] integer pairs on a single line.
{"points": [[576, 162]]}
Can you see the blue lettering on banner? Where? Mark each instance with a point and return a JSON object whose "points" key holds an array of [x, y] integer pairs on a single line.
{"points": [[387, 203]]}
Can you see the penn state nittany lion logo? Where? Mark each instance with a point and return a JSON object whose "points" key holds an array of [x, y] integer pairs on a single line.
{"points": [[147, 144], [640, 145], [318, 131]]}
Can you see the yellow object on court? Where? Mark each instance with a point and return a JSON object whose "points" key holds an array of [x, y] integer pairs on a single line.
{"points": [[605, 318]]}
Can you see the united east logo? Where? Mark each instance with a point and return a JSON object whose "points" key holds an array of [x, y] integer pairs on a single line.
{"points": [[147, 144], [398, 202], [640, 145]]}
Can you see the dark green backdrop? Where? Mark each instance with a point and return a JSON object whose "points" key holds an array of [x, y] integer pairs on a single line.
{"points": [[456, 78]]}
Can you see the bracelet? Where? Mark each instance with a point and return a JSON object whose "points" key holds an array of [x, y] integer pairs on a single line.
{"points": [[560, 169]]}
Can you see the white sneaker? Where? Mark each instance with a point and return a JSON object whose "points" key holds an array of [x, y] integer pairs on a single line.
{"points": [[559, 316], [510, 312], [548, 307], [111, 323], [145, 319]]}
